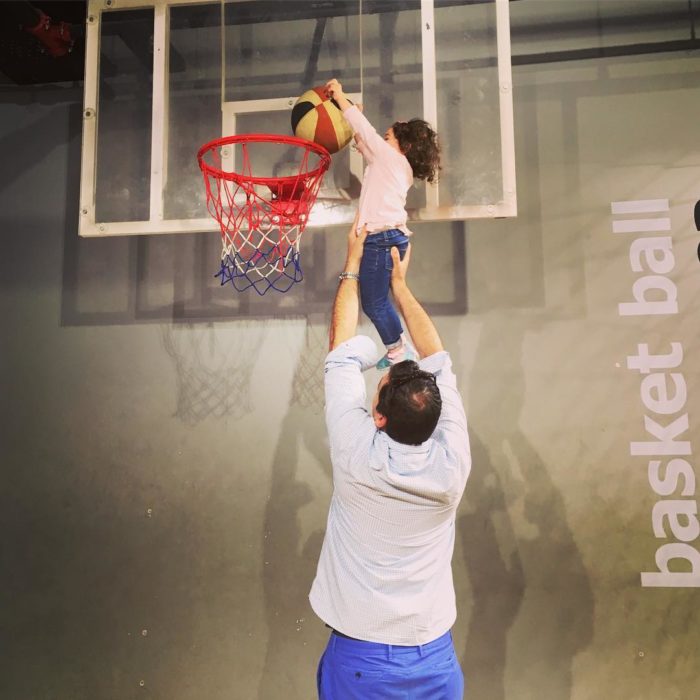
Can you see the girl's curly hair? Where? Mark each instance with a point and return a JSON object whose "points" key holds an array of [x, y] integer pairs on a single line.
{"points": [[419, 143]]}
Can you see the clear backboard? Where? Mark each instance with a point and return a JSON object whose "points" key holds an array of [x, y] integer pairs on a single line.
{"points": [[164, 77]]}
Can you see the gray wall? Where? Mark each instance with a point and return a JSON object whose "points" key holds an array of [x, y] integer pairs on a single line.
{"points": [[166, 477]]}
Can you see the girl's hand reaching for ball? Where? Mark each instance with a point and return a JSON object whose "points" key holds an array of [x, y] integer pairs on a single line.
{"points": [[334, 89]]}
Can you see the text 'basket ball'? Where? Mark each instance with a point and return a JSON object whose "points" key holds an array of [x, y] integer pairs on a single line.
{"points": [[317, 118]]}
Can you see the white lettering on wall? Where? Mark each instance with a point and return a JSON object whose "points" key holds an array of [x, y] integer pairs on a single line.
{"points": [[664, 396]]}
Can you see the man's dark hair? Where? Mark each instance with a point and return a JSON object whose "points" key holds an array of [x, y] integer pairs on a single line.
{"points": [[419, 143], [411, 403]]}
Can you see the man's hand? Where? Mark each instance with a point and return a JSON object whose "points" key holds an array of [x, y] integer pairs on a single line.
{"points": [[356, 242], [398, 273]]}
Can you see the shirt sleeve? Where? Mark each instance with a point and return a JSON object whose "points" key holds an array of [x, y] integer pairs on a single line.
{"points": [[371, 142], [451, 430], [347, 417]]}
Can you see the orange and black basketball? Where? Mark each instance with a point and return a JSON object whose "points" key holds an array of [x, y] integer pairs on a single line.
{"points": [[316, 117]]}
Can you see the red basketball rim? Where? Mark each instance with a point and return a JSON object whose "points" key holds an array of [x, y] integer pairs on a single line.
{"points": [[324, 155]]}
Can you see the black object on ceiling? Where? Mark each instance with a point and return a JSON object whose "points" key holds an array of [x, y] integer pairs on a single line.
{"points": [[27, 60], [54, 52]]}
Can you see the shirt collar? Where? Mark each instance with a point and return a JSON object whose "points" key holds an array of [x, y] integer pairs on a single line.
{"points": [[388, 450]]}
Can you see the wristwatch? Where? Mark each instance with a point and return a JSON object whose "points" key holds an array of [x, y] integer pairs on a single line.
{"points": [[349, 276]]}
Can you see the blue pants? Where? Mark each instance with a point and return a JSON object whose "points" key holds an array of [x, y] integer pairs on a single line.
{"points": [[354, 670], [375, 280]]}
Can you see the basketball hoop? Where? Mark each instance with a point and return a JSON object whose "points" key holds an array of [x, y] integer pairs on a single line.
{"points": [[261, 218]]}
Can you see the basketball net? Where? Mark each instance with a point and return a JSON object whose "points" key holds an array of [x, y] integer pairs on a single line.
{"points": [[261, 218]]}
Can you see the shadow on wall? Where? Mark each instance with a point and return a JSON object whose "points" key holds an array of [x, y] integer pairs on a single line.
{"points": [[533, 607], [496, 578], [128, 279], [213, 367], [24, 150], [290, 554]]}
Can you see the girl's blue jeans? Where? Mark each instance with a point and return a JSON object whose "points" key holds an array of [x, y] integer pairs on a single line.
{"points": [[375, 280]]}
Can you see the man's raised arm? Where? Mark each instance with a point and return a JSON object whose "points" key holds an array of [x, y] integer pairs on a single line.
{"points": [[346, 414], [346, 307], [421, 328], [451, 430]]}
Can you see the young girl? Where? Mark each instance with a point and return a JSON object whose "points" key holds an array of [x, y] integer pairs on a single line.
{"points": [[408, 150]]}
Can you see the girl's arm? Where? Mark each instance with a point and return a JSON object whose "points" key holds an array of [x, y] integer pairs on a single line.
{"points": [[359, 123]]}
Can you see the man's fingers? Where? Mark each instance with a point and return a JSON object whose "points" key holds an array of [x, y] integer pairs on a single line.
{"points": [[400, 266], [396, 257]]}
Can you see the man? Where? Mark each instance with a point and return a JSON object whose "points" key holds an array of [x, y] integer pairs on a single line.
{"points": [[384, 579]]}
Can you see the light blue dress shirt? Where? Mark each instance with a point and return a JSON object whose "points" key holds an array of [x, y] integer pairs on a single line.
{"points": [[385, 572]]}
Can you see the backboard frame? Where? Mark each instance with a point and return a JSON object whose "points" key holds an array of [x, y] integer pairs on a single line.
{"points": [[157, 223]]}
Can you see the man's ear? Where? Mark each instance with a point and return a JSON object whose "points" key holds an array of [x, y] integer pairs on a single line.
{"points": [[379, 420]]}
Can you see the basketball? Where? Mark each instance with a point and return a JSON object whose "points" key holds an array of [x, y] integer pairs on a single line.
{"points": [[317, 118]]}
